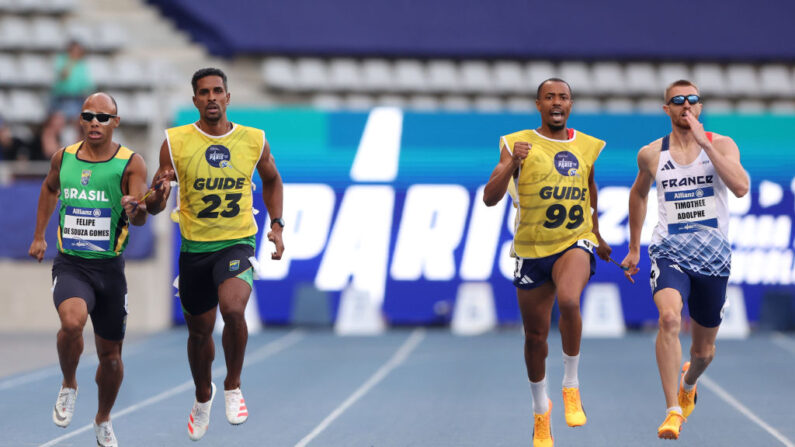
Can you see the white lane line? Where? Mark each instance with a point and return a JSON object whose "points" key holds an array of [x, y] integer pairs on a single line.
{"points": [[728, 398], [259, 355], [783, 341], [87, 360], [396, 360]]}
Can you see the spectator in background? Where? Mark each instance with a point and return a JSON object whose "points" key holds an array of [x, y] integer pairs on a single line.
{"points": [[11, 147], [72, 81], [47, 139]]}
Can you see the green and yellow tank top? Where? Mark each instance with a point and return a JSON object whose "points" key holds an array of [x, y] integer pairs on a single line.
{"points": [[214, 175], [554, 204], [92, 223]]}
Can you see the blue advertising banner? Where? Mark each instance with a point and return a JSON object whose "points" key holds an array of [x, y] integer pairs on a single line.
{"points": [[390, 202]]}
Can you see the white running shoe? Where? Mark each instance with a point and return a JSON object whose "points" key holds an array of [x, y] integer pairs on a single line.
{"points": [[64, 406], [236, 411], [200, 417], [105, 436]]}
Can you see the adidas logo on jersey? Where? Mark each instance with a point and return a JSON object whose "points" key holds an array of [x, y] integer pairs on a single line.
{"points": [[668, 166]]}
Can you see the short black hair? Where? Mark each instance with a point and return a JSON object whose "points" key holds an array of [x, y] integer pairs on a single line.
{"points": [[538, 92], [203, 73]]}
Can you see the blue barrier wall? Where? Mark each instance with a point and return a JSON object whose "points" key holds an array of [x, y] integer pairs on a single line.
{"points": [[18, 203], [411, 232], [580, 29]]}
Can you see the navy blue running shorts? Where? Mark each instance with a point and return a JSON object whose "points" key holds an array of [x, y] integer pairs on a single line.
{"points": [[705, 294], [532, 272]]}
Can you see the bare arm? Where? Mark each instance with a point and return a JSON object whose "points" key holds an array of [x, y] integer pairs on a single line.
{"points": [[506, 168], [725, 156], [48, 198], [161, 182], [638, 198], [133, 188], [603, 250], [272, 195]]}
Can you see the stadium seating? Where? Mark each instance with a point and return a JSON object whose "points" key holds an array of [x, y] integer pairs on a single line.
{"points": [[510, 85]]}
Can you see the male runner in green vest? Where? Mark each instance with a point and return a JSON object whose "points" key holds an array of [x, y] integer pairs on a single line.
{"points": [[100, 183]]}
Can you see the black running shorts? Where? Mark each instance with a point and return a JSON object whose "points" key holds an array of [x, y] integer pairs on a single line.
{"points": [[200, 275], [98, 282]]}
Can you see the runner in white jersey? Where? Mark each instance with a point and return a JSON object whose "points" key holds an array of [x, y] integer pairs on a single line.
{"points": [[690, 250]]}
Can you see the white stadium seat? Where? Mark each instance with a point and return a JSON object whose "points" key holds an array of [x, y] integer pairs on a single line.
{"points": [[579, 78], [46, 33], [327, 101], [101, 71], [443, 76], [618, 105], [710, 79], [359, 102], [345, 75], [312, 74], [776, 80], [26, 106], [109, 37], [9, 70], [650, 105], [509, 78], [476, 77], [609, 78], [423, 103], [641, 78], [377, 75], [671, 72], [521, 104], [410, 76], [750, 106], [14, 32], [279, 73], [488, 103], [457, 103], [391, 100], [742, 80], [586, 105], [36, 70], [537, 72]]}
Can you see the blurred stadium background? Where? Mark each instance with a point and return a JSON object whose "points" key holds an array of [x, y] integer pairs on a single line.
{"points": [[384, 119]]}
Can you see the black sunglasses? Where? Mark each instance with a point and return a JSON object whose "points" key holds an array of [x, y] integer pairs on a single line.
{"points": [[680, 99], [101, 117]]}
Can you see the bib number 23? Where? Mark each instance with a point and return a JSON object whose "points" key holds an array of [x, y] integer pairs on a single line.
{"points": [[557, 215], [213, 201]]}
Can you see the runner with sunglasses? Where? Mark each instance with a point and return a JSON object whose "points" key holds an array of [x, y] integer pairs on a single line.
{"points": [[214, 161], [690, 251], [549, 172], [100, 183]]}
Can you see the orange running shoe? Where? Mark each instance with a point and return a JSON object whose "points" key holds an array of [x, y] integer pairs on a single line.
{"points": [[687, 400], [542, 429], [572, 406], [671, 426]]}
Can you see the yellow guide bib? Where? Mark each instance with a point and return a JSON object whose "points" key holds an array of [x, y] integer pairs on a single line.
{"points": [[214, 175], [554, 204]]}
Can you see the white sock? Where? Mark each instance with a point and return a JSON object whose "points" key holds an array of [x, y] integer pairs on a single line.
{"points": [[570, 366], [686, 386], [540, 399], [675, 408]]}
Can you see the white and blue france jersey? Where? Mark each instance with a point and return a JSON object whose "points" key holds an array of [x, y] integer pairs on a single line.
{"points": [[693, 225]]}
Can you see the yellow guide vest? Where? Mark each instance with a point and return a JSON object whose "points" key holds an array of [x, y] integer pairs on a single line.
{"points": [[214, 175], [554, 204]]}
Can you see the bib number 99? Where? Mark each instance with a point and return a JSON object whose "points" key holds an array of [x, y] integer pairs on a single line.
{"points": [[557, 215]]}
